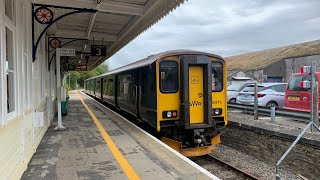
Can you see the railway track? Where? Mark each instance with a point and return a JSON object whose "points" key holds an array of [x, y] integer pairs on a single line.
{"points": [[299, 115], [222, 169]]}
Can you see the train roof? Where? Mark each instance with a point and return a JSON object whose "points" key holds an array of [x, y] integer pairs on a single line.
{"points": [[152, 58]]}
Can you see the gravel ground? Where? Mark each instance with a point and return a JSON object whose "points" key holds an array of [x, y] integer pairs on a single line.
{"points": [[247, 163], [215, 167]]}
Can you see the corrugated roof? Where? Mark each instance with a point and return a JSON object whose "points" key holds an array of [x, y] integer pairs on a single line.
{"points": [[261, 59]]}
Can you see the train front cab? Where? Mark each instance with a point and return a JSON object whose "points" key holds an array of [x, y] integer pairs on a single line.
{"points": [[195, 87]]}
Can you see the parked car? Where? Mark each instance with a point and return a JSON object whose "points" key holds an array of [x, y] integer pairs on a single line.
{"points": [[297, 98], [234, 89], [269, 94]]}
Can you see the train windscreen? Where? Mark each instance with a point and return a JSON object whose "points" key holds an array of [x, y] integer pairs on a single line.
{"points": [[217, 76], [168, 76]]}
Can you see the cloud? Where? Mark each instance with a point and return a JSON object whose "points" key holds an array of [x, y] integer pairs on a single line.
{"points": [[226, 28]]}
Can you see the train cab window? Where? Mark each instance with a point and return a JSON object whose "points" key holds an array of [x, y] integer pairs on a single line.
{"points": [[168, 76], [217, 76]]}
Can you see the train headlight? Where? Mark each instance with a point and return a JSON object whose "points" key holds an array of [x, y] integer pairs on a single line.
{"points": [[169, 114], [216, 111]]}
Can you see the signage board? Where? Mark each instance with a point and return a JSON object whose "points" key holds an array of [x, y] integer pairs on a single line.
{"points": [[67, 52], [81, 67], [98, 50]]}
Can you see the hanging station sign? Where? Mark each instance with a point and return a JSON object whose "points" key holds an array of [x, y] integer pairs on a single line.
{"points": [[98, 50], [79, 67], [67, 52]]}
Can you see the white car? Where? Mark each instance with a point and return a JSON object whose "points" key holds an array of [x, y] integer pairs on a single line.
{"points": [[234, 89], [269, 95]]}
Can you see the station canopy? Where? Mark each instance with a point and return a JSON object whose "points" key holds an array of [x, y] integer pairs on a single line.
{"points": [[96, 29]]}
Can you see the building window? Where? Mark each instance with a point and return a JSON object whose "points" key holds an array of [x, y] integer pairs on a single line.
{"points": [[168, 76], [217, 76], [9, 9], [10, 72]]}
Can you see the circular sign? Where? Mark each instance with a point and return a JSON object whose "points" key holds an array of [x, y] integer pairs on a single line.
{"points": [[43, 15], [55, 43]]}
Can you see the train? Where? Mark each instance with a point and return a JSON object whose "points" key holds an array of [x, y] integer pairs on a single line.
{"points": [[181, 94]]}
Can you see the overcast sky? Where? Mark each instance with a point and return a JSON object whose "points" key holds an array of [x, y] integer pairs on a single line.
{"points": [[227, 28]]}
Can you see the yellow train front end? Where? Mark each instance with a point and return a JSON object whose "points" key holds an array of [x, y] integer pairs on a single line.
{"points": [[191, 102]]}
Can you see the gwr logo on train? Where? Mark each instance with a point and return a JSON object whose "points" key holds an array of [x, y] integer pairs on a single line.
{"points": [[195, 103]]}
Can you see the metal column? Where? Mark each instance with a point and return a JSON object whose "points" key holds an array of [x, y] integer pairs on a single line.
{"points": [[59, 127], [312, 94], [316, 104]]}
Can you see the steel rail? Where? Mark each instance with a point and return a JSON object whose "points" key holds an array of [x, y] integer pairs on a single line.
{"points": [[240, 171], [303, 116]]}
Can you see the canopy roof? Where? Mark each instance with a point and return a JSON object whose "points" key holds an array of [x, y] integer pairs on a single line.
{"points": [[114, 24]]}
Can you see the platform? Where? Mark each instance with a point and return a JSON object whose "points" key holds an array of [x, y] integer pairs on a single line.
{"points": [[105, 146]]}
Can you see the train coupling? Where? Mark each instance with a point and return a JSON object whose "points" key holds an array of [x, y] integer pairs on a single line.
{"points": [[199, 138]]}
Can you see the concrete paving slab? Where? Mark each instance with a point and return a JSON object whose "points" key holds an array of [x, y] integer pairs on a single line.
{"points": [[80, 152]]}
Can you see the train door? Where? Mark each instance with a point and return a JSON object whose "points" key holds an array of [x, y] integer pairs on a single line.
{"points": [[196, 94], [195, 91]]}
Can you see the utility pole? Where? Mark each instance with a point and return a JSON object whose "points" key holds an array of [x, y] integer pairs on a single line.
{"points": [[312, 95], [255, 101], [315, 104]]}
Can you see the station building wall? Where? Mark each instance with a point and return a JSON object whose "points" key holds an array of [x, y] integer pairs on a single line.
{"points": [[27, 92]]}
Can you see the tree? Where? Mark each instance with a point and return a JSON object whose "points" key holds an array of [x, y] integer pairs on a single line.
{"points": [[77, 78]]}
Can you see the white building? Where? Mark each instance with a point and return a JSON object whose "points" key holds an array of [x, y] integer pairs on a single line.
{"points": [[24, 89], [28, 88]]}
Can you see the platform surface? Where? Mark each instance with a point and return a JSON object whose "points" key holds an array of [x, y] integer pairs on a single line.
{"points": [[81, 152]]}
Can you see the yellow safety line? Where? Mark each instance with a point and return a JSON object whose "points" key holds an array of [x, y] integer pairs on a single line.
{"points": [[131, 174]]}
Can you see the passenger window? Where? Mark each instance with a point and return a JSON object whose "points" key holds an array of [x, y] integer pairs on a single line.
{"points": [[10, 71], [217, 76], [126, 81], [168, 76], [10, 9]]}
